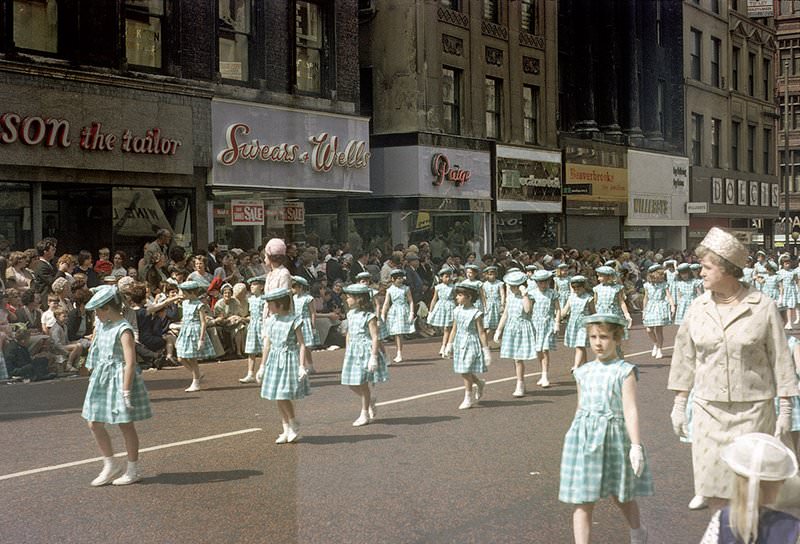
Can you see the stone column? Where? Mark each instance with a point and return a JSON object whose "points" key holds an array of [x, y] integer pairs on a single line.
{"points": [[607, 46], [582, 62], [633, 122]]}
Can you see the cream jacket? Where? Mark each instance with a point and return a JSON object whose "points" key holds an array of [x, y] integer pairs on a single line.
{"points": [[744, 359]]}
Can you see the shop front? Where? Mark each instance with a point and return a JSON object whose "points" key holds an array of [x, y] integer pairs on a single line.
{"points": [[97, 166], [287, 173], [596, 190], [659, 192], [426, 191], [528, 197]]}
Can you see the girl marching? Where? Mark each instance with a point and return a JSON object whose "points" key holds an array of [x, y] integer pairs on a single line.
{"points": [[364, 360], [472, 274], [305, 312], [562, 284], [603, 454], [398, 311], [516, 328], [253, 346], [494, 295], [193, 342], [685, 291], [579, 304], [365, 278], [442, 306], [658, 307], [788, 277], [546, 320], [116, 393], [285, 376], [771, 283]]}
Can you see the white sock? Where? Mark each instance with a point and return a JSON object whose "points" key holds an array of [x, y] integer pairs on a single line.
{"points": [[133, 467], [293, 424], [195, 383], [285, 428], [108, 463], [249, 374]]}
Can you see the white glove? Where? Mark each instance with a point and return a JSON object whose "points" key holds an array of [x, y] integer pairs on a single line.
{"points": [[523, 289], [372, 365], [496, 337], [629, 319], [411, 318], [260, 374], [784, 423], [678, 416], [126, 398], [556, 327], [302, 372], [637, 459], [448, 350], [487, 356]]}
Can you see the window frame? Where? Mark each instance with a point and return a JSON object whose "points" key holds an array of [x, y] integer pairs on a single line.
{"points": [[716, 141], [58, 53], [736, 128], [455, 105], [697, 139], [736, 54], [496, 114], [324, 50], [533, 17], [163, 18], [767, 150], [751, 73], [696, 55], [751, 144], [490, 11], [250, 42], [716, 72], [533, 118], [766, 76]]}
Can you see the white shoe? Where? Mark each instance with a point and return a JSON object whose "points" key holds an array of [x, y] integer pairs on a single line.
{"points": [[128, 478], [797, 321], [520, 390], [544, 382], [371, 410], [281, 438], [541, 380], [467, 402], [477, 389], [788, 326], [698, 502], [292, 434], [654, 351], [659, 355], [398, 358], [107, 475], [362, 420], [192, 388], [639, 536], [248, 379]]}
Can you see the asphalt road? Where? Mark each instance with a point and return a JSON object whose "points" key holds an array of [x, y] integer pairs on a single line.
{"points": [[424, 472]]}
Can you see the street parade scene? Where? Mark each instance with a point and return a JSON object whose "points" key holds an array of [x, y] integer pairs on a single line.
{"points": [[400, 271]]}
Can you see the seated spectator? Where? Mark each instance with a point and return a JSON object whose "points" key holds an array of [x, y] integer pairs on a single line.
{"points": [[157, 272], [200, 274], [67, 353], [103, 266], [134, 295], [328, 317], [30, 313], [133, 273], [65, 266], [12, 304], [48, 320], [229, 318], [154, 327], [120, 260], [21, 363], [17, 274], [80, 323], [227, 271]]}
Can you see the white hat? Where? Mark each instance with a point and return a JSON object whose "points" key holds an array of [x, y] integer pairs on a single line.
{"points": [[726, 245]]}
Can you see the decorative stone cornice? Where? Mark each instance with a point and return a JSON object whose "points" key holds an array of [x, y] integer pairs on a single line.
{"points": [[531, 40], [494, 30], [453, 17]]}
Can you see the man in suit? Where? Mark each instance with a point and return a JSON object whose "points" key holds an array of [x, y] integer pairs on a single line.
{"points": [[44, 272], [159, 245], [359, 266], [307, 269], [211, 258]]}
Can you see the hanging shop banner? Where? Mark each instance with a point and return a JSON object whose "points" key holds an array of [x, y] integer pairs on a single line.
{"points": [[596, 179], [659, 189], [528, 180], [247, 212], [136, 212], [260, 146]]}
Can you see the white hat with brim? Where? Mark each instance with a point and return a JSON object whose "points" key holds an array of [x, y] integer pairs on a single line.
{"points": [[515, 277], [276, 294], [102, 296]]}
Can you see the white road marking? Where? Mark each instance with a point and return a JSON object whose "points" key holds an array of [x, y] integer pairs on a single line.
{"points": [[122, 454]]}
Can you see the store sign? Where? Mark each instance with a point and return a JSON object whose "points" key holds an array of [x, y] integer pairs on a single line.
{"points": [[697, 207], [596, 179], [442, 171], [658, 189], [281, 213], [528, 180], [255, 145], [247, 212], [760, 8], [136, 212], [608, 184]]}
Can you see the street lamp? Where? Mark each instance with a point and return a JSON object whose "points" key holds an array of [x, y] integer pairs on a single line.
{"points": [[795, 236]]}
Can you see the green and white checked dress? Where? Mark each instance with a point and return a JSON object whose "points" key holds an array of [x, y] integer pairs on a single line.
{"points": [[358, 351], [397, 318], [657, 311], [575, 331], [186, 344], [685, 291], [543, 317], [608, 301], [467, 352], [563, 288], [789, 281], [283, 360], [302, 308], [493, 310], [594, 461], [519, 337], [442, 313], [104, 402], [252, 342]]}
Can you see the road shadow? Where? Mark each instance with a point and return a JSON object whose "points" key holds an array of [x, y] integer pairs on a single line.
{"points": [[420, 420], [14, 416], [324, 383], [343, 439], [404, 364], [192, 478], [160, 385], [506, 403], [554, 392]]}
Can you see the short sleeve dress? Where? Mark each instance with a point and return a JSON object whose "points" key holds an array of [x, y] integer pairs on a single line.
{"points": [[563, 289], [594, 461], [467, 352], [302, 309], [543, 316], [442, 314], [397, 318], [359, 350], [575, 331], [789, 281], [771, 288], [252, 343], [106, 358], [657, 312], [793, 342], [186, 344], [519, 336], [684, 293], [491, 314], [283, 360]]}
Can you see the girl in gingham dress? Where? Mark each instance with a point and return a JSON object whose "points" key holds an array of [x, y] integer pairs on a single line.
{"points": [[468, 344], [193, 342], [516, 328], [364, 360], [304, 310], [253, 346], [609, 296], [546, 320], [671, 274], [442, 306], [494, 294], [398, 311], [562, 285], [472, 274], [698, 281], [603, 454], [378, 296], [771, 284], [685, 292], [788, 278], [285, 375], [794, 348], [116, 394], [658, 307], [579, 304], [747, 272]]}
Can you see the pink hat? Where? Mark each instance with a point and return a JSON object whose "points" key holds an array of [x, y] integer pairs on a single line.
{"points": [[276, 246]]}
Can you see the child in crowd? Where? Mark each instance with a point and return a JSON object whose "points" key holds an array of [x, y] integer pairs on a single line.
{"points": [[603, 454], [364, 360], [684, 292], [304, 310], [30, 314], [658, 307], [468, 344], [579, 304], [116, 394], [516, 328], [398, 311], [253, 345], [494, 294], [788, 277], [48, 319], [794, 349], [103, 266], [193, 342], [546, 320], [283, 368], [64, 349], [696, 268], [442, 305]]}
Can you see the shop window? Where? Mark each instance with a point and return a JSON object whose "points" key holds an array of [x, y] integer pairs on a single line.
{"points": [[143, 32], [36, 25], [529, 17], [309, 43], [494, 107], [15, 215], [451, 100], [491, 11], [233, 27], [369, 231], [530, 113]]}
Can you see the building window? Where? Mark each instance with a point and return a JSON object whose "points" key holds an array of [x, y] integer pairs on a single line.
{"points": [[234, 39], [751, 74], [716, 137], [451, 100], [767, 76], [661, 89], [144, 23], [36, 25], [715, 49], [697, 139], [451, 4], [491, 11], [697, 44], [751, 143], [795, 118], [768, 144], [530, 113], [735, 129], [529, 17], [735, 68], [790, 7], [715, 6], [309, 43], [494, 107], [659, 37]]}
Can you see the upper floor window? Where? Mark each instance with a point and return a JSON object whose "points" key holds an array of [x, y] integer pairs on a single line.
{"points": [[494, 108], [697, 46], [530, 113], [491, 11], [766, 74], [309, 44], [715, 6], [36, 25], [143, 32], [234, 39], [735, 68], [451, 100], [790, 7], [659, 37], [661, 91], [715, 52], [751, 74], [697, 139], [451, 4], [529, 17]]}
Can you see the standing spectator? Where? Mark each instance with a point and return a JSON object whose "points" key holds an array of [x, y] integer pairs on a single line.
{"points": [[334, 269], [65, 266], [159, 245], [307, 270], [291, 259], [393, 263], [359, 266], [211, 257], [44, 272], [85, 267], [178, 260], [17, 274], [413, 280], [200, 273], [120, 261], [227, 270]]}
